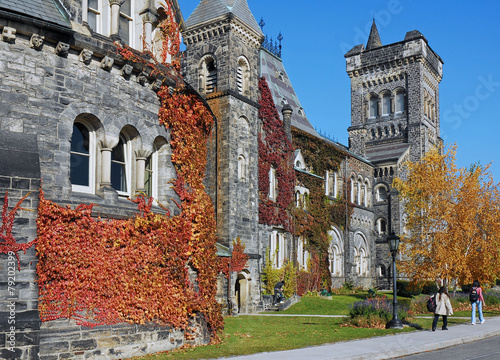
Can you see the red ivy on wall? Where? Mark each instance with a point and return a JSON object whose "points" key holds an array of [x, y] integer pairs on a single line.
{"points": [[7, 241], [237, 261], [274, 150], [322, 213], [137, 270]]}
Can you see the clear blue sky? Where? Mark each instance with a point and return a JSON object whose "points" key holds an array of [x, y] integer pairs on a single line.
{"points": [[466, 35]]}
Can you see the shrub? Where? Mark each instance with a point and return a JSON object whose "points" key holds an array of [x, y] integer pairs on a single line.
{"points": [[429, 288], [404, 288], [492, 298], [375, 312]]}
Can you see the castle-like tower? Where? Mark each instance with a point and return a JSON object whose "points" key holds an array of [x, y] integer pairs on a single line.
{"points": [[222, 42], [394, 115]]}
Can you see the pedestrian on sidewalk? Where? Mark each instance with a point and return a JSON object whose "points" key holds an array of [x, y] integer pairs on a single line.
{"points": [[476, 298], [443, 308]]}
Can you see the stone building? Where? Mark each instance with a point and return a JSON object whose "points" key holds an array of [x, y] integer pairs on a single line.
{"points": [[78, 118]]}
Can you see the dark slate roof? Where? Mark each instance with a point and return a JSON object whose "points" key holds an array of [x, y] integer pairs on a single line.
{"points": [[386, 152], [47, 10], [270, 68], [211, 9], [374, 38]]}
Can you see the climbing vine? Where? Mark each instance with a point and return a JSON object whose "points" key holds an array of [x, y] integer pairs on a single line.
{"points": [[237, 261], [275, 150], [314, 222], [137, 270], [8, 243]]}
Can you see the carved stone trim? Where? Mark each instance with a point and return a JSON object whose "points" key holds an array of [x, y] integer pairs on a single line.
{"points": [[156, 85], [85, 56], [107, 63], [62, 49], [126, 70], [36, 41], [8, 34]]}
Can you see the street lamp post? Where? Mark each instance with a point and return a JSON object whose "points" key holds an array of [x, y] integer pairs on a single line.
{"points": [[395, 323]]}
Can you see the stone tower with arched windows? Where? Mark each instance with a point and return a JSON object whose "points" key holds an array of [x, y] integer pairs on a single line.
{"points": [[222, 41], [394, 115]]}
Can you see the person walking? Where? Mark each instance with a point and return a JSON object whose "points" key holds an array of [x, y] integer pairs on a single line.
{"points": [[476, 299], [443, 308]]}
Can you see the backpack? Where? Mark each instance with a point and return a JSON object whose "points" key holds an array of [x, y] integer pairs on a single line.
{"points": [[431, 303], [473, 295]]}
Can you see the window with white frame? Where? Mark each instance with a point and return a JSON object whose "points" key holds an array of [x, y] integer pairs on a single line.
{"points": [[335, 257], [363, 262], [357, 261], [302, 254], [331, 184], [94, 14], [126, 22], [151, 174], [277, 249], [120, 166], [273, 184], [353, 193], [358, 193], [82, 158]]}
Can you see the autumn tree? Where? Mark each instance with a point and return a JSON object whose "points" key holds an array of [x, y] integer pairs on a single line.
{"points": [[452, 220]]}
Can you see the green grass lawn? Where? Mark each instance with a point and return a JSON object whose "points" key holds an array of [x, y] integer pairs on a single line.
{"points": [[252, 334]]}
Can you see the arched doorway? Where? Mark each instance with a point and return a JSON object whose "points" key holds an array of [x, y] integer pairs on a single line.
{"points": [[241, 292]]}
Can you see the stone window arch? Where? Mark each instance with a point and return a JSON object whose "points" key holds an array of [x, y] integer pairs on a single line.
{"points": [[122, 160], [82, 154], [335, 253], [152, 168], [380, 193], [84, 159], [207, 74], [242, 75], [381, 226], [361, 254]]}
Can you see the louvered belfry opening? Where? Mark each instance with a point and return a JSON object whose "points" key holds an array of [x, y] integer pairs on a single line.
{"points": [[211, 78]]}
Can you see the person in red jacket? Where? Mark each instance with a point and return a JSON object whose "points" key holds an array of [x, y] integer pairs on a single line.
{"points": [[476, 298]]}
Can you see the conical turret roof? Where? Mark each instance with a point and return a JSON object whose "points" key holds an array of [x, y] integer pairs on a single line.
{"points": [[211, 9], [374, 38]]}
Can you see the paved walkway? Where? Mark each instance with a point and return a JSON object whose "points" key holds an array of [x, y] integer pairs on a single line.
{"points": [[387, 347]]}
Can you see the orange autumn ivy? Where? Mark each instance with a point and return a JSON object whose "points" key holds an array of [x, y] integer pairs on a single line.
{"points": [[136, 270], [7, 241], [237, 261]]}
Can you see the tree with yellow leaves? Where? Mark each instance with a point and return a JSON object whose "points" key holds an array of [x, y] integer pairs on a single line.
{"points": [[452, 220]]}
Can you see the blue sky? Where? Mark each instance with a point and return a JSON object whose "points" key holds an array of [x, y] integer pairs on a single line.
{"points": [[465, 34]]}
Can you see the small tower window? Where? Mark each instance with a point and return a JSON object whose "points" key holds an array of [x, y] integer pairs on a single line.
{"points": [[242, 75], [386, 104], [373, 107], [400, 102], [94, 15]]}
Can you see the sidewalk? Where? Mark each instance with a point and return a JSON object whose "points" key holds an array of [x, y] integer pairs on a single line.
{"points": [[387, 347]]}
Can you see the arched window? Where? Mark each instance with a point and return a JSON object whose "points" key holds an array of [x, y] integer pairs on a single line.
{"points": [[381, 226], [381, 271], [82, 158], [386, 104], [400, 102], [363, 262], [357, 261], [152, 169], [120, 166], [207, 82], [373, 107], [242, 75], [242, 168], [353, 194], [302, 254], [381, 193]]}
